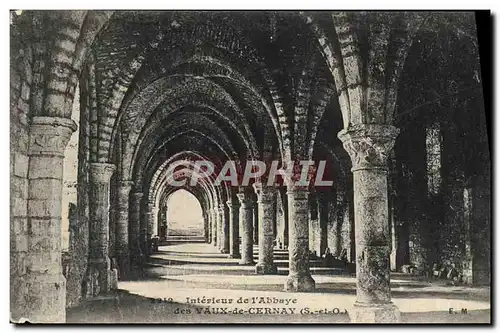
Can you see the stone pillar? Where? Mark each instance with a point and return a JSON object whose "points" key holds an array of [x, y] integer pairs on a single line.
{"points": [[280, 223], [246, 220], [234, 231], [284, 206], [135, 228], [209, 226], [323, 201], [256, 224], [44, 294], [150, 226], [213, 219], [101, 276], [335, 217], [224, 228], [314, 227], [122, 225], [163, 224], [113, 205], [206, 227], [266, 199], [146, 212], [218, 218], [368, 147], [299, 276]]}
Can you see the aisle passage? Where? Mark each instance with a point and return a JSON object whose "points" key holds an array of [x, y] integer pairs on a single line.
{"points": [[183, 280]]}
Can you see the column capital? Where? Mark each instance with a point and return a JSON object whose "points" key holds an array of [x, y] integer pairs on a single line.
{"points": [[123, 189], [298, 191], [245, 200], [265, 194], [137, 195], [50, 135], [101, 172], [369, 145], [126, 183]]}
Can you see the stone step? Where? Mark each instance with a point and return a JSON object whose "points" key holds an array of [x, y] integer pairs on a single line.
{"points": [[275, 257], [195, 238]]}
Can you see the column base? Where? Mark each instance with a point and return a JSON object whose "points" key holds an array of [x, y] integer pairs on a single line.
{"points": [[374, 313], [300, 283], [113, 279], [43, 300], [101, 277], [136, 260], [234, 256], [266, 269], [246, 262], [124, 267]]}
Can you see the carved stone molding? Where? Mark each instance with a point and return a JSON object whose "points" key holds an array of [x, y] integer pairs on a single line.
{"points": [[101, 172], [126, 184], [137, 195], [245, 200], [369, 145], [299, 192], [123, 192], [50, 135], [265, 194]]}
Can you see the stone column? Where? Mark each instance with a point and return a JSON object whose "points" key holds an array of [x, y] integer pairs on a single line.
{"points": [[135, 228], [213, 219], [314, 226], [206, 227], [256, 224], [99, 264], [280, 223], [234, 230], [146, 212], [266, 199], [246, 220], [122, 225], [163, 224], [209, 226], [224, 228], [368, 147], [284, 206], [323, 201], [150, 226], [299, 276], [218, 218], [44, 286]]}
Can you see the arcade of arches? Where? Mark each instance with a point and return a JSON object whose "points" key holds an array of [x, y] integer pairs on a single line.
{"points": [[392, 101]]}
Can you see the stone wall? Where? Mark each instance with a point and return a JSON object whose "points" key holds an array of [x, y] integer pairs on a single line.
{"points": [[21, 74]]}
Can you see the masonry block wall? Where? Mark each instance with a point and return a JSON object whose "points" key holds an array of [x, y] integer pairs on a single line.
{"points": [[21, 81]]}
